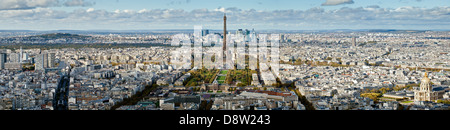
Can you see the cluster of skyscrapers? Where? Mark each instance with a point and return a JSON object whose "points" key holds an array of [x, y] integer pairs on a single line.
{"points": [[12, 60], [45, 60], [15, 61]]}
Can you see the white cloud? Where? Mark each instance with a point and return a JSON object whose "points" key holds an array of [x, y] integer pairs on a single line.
{"points": [[361, 17], [26, 4], [32, 4], [337, 2], [220, 9], [90, 10], [78, 3]]}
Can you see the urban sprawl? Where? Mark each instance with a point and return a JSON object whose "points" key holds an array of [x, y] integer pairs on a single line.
{"points": [[349, 70]]}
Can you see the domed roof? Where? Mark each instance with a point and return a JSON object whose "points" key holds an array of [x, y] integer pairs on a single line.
{"points": [[425, 78]]}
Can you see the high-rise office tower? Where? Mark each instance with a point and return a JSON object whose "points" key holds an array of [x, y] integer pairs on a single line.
{"points": [[2, 60], [25, 56], [205, 32], [239, 32], [41, 61], [21, 55], [51, 60], [45, 62], [14, 58]]}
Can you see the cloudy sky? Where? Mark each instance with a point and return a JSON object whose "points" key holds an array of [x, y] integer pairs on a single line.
{"points": [[258, 14]]}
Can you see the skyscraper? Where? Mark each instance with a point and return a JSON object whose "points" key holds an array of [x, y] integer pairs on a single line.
{"points": [[21, 55], [51, 60], [2, 60], [205, 32], [354, 41], [14, 58], [239, 32], [41, 61], [45, 61], [25, 56]]}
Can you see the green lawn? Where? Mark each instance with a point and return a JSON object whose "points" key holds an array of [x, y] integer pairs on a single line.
{"points": [[221, 78], [407, 102], [224, 72]]}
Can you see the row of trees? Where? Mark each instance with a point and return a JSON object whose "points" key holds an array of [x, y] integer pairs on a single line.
{"points": [[443, 101], [291, 86], [308, 105], [244, 76], [28, 67], [278, 84], [199, 76], [206, 105], [315, 63], [428, 69], [373, 96], [133, 100], [384, 90]]}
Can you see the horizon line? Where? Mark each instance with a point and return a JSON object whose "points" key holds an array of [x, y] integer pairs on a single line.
{"points": [[227, 29]]}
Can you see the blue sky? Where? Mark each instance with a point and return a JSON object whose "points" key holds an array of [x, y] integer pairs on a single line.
{"points": [[112, 5], [258, 14]]}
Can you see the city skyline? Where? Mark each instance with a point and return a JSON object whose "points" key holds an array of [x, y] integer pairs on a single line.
{"points": [[223, 63], [317, 71], [185, 14]]}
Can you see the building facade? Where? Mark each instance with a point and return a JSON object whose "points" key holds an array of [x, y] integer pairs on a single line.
{"points": [[2, 60], [425, 91]]}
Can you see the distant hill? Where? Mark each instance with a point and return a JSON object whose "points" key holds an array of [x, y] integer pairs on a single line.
{"points": [[51, 38], [397, 31], [60, 35]]}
